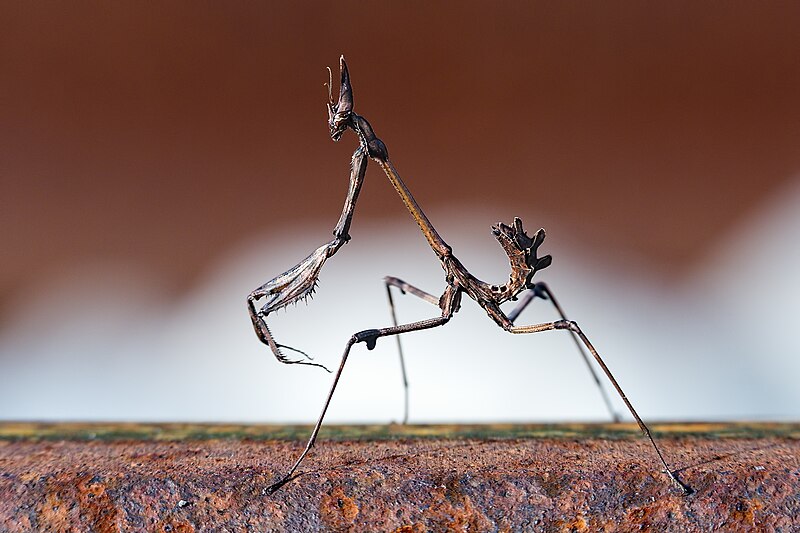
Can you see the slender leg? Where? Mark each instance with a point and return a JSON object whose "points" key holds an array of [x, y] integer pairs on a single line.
{"points": [[573, 327], [369, 337], [541, 290], [404, 288]]}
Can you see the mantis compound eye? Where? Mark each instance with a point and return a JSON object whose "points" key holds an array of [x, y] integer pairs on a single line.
{"points": [[337, 123]]}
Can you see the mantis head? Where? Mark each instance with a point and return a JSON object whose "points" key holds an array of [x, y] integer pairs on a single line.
{"points": [[340, 113], [522, 249]]}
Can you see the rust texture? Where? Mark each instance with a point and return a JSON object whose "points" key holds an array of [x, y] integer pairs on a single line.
{"points": [[483, 478]]}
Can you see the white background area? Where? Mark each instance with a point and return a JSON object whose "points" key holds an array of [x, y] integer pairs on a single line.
{"points": [[100, 343]]}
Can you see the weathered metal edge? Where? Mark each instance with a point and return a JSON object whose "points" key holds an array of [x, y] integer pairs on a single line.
{"points": [[115, 431]]}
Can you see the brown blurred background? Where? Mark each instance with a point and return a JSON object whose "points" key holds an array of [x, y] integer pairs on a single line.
{"points": [[160, 160], [161, 134]]}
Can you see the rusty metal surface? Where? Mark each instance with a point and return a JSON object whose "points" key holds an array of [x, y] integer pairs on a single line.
{"points": [[442, 478]]}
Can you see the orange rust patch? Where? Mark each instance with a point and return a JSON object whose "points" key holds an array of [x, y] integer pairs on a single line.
{"points": [[416, 528], [97, 508], [175, 525], [577, 524], [648, 517], [452, 511], [744, 513], [338, 510], [53, 514]]}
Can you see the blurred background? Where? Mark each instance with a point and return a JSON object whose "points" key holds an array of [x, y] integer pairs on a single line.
{"points": [[159, 161]]}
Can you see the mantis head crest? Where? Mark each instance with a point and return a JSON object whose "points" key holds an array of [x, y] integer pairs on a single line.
{"points": [[340, 113]]}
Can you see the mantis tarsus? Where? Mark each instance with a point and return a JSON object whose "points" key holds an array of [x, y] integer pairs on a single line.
{"points": [[299, 282]]}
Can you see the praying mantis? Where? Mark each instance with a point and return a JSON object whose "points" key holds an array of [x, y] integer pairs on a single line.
{"points": [[299, 282]]}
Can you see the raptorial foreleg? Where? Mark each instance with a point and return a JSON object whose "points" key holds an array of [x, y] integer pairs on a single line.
{"points": [[299, 282], [294, 285]]}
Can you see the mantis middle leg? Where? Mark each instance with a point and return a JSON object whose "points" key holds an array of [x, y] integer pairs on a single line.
{"points": [[450, 301], [369, 336], [419, 293]]}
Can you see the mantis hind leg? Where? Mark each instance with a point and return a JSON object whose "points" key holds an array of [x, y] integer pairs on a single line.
{"points": [[541, 290], [573, 327], [404, 288]]}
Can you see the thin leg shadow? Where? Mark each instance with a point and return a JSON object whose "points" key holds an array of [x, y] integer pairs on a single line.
{"points": [[356, 463], [721, 457]]}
